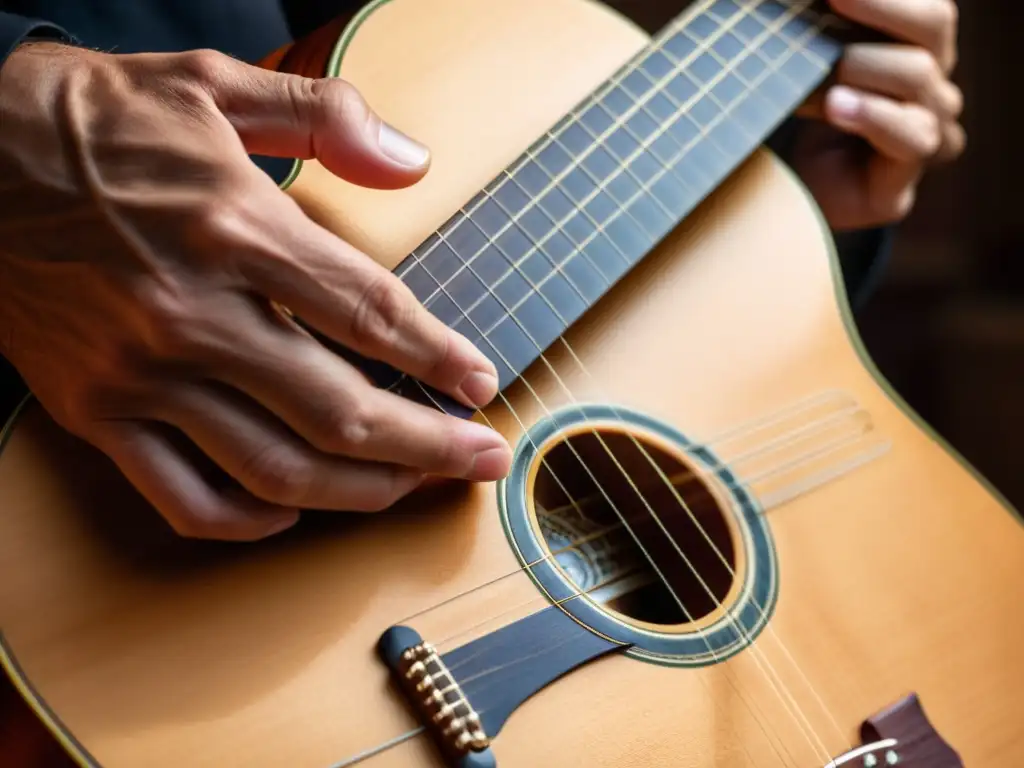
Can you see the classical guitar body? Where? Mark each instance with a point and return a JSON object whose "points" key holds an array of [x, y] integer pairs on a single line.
{"points": [[725, 541]]}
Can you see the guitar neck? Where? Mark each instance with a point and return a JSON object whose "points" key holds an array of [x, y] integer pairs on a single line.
{"points": [[524, 259]]}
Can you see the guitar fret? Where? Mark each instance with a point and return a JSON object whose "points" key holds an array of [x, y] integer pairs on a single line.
{"points": [[702, 27], [728, 90], [441, 262], [721, 10], [727, 48], [579, 227], [514, 346], [657, 66], [518, 291], [769, 11], [544, 240], [622, 144], [750, 27], [793, 29]]}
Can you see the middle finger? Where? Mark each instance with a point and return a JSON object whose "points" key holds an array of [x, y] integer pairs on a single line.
{"points": [[332, 405]]}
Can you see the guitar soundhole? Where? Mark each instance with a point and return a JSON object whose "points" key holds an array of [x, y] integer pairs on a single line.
{"points": [[634, 527]]}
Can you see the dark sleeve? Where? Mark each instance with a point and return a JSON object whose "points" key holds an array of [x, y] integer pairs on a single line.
{"points": [[15, 29], [862, 253]]}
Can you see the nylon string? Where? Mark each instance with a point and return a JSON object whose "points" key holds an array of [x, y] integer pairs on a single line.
{"points": [[441, 287], [804, 724], [784, 694]]}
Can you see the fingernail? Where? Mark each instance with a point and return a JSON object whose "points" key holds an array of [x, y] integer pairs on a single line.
{"points": [[490, 452], [844, 103], [282, 525], [479, 388], [401, 148]]}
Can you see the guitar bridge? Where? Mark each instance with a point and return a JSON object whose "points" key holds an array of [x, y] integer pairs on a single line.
{"points": [[437, 698]]}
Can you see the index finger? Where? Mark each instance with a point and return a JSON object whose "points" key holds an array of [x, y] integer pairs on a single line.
{"points": [[931, 24], [348, 297]]}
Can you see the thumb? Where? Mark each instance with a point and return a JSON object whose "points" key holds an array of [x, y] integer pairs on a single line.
{"points": [[284, 115]]}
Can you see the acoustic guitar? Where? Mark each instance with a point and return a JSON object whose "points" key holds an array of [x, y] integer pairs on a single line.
{"points": [[724, 541]]}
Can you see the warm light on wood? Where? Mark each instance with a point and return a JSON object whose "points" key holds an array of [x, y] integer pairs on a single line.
{"points": [[902, 575]]}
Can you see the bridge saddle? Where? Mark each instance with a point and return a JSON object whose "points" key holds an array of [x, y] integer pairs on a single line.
{"points": [[437, 698], [441, 699]]}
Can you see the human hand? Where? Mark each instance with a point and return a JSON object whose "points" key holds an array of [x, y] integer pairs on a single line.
{"points": [[898, 97], [140, 251]]}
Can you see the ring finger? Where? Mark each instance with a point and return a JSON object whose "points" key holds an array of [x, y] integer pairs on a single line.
{"points": [[331, 405], [271, 463]]}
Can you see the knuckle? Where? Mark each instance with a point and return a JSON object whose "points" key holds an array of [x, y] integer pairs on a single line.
{"points": [[926, 73], [317, 101], [351, 428], [902, 206], [443, 362], [930, 135], [204, 65], [897, 207], [224, 218], [382, 312], [168, 328], [947, 15], [384, 494], [342, 98], [276, 473], [956, 102]]}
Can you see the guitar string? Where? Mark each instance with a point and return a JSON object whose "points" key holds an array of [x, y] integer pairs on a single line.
{"points": [[620, 467], [577, 163], [799, 717], [680, 110], [683, 503], [666, 531], [700, 632], [625, 71], [744, 430], [418, 259], [769, 628], [759, 52], [553, 553], [689, 478]]}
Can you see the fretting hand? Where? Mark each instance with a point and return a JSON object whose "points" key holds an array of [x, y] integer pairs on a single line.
{"points": [[895, 95], [140, 249]]}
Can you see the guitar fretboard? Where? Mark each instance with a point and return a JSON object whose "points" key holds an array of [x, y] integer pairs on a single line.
{"points": [[517, 265], [526, 257]]}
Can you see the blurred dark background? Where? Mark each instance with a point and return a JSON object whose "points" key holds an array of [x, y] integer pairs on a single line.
{"points": [[946, 323]]}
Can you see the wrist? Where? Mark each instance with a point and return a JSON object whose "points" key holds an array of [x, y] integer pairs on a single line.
{"points": [[18, 30]]}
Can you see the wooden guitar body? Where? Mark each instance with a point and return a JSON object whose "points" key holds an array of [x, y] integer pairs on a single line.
{"points": [[871, 563]]}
